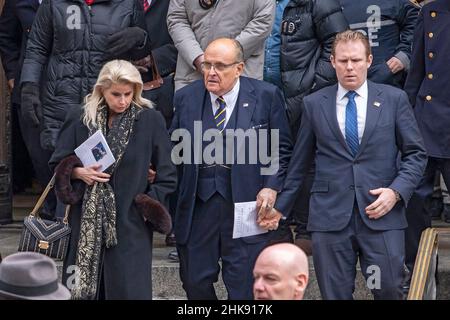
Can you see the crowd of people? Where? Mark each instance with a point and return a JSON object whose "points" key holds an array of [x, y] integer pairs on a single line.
{"points": [[349, 97]]}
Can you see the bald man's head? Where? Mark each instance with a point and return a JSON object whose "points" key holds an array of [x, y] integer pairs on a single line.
{"points": [[280, 272]]}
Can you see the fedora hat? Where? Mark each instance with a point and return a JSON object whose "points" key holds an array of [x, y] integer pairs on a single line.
{"points": [[30, 276]]}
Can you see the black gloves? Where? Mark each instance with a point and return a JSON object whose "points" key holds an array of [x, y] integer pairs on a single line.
{"points": [[123, 41], [30, 103]]}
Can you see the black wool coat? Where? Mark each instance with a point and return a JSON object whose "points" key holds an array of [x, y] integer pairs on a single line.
{"points": [[125, 268]]}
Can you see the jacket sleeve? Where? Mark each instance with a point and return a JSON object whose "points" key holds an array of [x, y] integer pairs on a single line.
{"points": [[166, 174], [39, 44], [253, 36], [302, 157], [407, 20], [66, 142], [10, 40], [412, 150], [278, 121], [139, 21], [181, 32], [328, 21], [417, 73]]}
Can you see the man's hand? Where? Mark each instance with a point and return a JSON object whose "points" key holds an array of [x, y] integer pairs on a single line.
{"points": [[31, 103], [264, 203], [10, 85], [90, 174], [385, 202], [272, 222], [144, 64], [198, 63], [395, 65]]}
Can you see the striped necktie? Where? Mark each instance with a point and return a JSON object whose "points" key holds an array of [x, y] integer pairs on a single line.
{"points": [[221, 113], [351, 123]]}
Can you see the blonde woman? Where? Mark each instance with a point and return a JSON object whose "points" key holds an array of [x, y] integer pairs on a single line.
{"points": [[111, 245]]}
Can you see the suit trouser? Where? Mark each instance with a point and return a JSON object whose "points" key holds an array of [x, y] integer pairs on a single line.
{"points": [[418, 218], [381, 257], [210, 240]]}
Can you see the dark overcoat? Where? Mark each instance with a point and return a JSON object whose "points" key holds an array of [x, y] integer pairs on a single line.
{"points": [[125, 268]]}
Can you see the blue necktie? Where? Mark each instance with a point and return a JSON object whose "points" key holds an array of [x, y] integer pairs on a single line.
{"points": [[220, 115], [351, 123]]}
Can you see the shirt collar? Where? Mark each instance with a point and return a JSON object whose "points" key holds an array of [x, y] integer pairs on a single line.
{"points": [[361, 91], [230, 96]]}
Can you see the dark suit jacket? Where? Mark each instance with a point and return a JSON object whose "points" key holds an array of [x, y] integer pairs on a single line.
{"points": [[260, 105], [390, 128], [428, 82]]}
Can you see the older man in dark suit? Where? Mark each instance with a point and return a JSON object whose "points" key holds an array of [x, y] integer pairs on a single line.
{"points": [[355, 131], [225, 101]]}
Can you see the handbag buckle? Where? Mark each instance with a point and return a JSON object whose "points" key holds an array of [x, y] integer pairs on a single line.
{"points": [[43, 245]]}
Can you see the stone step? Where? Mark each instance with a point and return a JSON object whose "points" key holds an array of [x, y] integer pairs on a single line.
{"points": [[166, 280]]}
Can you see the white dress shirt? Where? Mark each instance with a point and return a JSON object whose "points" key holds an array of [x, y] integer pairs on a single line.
{"points": [[230, 99], [361, 108]]}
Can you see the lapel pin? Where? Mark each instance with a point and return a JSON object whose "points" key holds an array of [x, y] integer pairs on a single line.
{"points": [[245, 105], [376, 104]]}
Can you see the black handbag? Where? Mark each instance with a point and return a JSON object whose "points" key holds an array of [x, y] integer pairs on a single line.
{"points": [[45, 236]]}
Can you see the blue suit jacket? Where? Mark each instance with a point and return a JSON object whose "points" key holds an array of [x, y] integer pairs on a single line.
{"points": [[390, 128], [259, 105]]}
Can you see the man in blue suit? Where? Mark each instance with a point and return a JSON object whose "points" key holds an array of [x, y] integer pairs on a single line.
{"points": [[224, 101], [356, 130]]}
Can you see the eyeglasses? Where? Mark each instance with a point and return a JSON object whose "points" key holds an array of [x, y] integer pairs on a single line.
{"points": [[219, 66]]}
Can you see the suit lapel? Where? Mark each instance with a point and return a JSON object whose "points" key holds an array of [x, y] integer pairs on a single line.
{"points": [[195, 112], [328, 105], [374, 107], [245, 106]]}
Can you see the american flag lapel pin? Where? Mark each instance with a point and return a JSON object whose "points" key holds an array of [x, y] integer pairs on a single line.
{"points": [[376, 104]]}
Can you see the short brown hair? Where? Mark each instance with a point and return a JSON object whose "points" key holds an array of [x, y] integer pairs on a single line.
{"points": [[350, 35]]}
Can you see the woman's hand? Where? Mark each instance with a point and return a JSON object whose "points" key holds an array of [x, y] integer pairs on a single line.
{"points": [[90, 174]]}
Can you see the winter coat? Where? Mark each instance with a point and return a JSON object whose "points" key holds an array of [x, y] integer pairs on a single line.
{"points": [[389, 25], [66, 50], [126, 267], [192, 28], [307, 34]]}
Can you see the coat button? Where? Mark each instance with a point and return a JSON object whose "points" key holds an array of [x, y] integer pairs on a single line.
{"points": [[428, 98], [430, 55], [433, 14], [430, 35], [430, 76]]}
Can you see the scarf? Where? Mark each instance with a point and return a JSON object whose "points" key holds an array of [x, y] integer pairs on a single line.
{"points": [[98, 220]]}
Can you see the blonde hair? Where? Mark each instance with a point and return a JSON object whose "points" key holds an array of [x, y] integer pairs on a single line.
{"points": [[351, 35], [113, 72]]}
